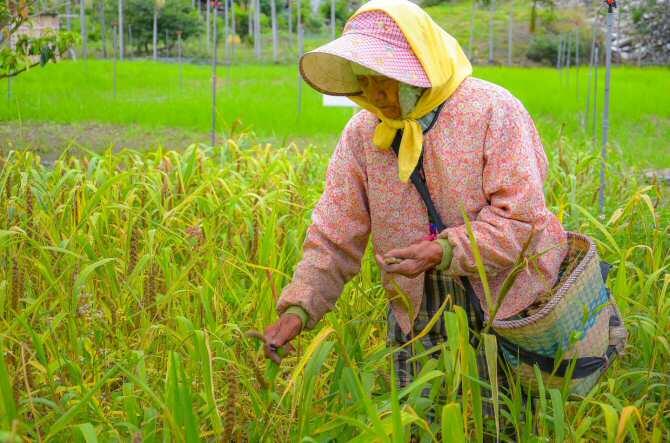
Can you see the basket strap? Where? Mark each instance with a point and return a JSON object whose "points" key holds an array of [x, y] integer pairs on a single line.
{"points": [[583, 366]]}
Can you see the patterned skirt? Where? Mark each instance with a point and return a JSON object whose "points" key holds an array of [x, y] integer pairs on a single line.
{"points": [[438, 286]]}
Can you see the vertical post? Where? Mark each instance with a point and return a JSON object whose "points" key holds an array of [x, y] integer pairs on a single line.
{"points": [[82, 24], [257, 29], [568, 57], [250, 17], [114, 54], [577, 62], [179, 61], [606, 107], [332, 19], [155, 33], [591, 64], [207, 23], [120, 29], [215, 4], [472, 31], [509, 38], [491, 13], [275, 32], [68, 12], [290, 21], [103, 29], [596, 61], [226, 43], [130, 40], [300, 50], [234, 31]]}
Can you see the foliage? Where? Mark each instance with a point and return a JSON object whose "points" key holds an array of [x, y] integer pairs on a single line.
{"points": [[128, 280], [175, 15], [543, 49], [18, 53]]}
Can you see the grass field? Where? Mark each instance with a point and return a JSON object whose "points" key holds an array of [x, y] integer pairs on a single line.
{"points": [[264, 99], [128, 281]]}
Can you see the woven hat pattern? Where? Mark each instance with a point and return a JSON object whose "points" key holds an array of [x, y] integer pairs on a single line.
{"points": [[371, 39]]}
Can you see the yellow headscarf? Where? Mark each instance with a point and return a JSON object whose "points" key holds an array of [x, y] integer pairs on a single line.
{"points": [[445, 65]]}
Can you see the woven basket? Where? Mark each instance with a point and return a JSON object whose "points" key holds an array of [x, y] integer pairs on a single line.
{"points": [[576, 322]]}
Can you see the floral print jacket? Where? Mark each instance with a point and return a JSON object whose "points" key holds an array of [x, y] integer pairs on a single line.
{"points": [[483, 156]]}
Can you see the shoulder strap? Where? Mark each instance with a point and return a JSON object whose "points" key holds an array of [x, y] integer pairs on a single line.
{"points": [[419, 180]]}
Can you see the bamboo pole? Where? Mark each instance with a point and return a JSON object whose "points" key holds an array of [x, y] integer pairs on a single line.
{"points": [[300, 50], [332, 19], [595, 96], [103, 29], [120, 30], [275, 31], [492, 10], [115, 50], [588, 84], [606, 107], [82, 29], [179, 61], [208, 13], [214, 62], [509, 38], [257, 30], [472, 31]]}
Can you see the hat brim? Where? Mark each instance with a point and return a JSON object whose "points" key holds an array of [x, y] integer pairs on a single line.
{"points": [[328, 69]]}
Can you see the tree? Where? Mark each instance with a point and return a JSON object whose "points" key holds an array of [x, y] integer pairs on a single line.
{"points": [[176, 15], [18, 53]]}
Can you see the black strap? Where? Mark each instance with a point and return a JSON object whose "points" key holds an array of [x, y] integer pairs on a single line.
{"points": [[583, 367]]}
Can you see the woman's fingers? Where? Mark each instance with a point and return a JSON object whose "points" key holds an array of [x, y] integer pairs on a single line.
{"points": [[409, 252], [278, 335]]}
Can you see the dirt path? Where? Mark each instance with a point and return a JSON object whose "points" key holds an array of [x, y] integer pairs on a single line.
{"points": [[50, 139]]}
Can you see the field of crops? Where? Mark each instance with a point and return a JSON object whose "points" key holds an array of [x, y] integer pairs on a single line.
{"points": [[129, 280], [264, 99]]}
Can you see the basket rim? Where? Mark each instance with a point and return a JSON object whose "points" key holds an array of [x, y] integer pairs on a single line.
{"points": [[591, 254]]}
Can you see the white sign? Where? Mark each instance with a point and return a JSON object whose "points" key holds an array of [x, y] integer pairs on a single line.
{"points": [[338, 101]]}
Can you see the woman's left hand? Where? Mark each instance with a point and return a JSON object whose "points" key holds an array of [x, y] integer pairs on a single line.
{"points": [[415, 259]]}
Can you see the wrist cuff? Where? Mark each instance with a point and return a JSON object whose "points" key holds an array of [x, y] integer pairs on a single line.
{"points": [[447, 254], [300, 312]]}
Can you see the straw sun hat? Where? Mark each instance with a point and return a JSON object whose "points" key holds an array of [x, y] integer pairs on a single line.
{"points": [[372, 40]]}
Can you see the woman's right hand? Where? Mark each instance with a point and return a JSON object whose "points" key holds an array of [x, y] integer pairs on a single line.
{"points": [[279, 334]]}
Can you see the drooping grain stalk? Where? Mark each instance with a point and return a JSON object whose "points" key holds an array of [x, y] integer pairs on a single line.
{"points": [[29, 210], [230, 412]]}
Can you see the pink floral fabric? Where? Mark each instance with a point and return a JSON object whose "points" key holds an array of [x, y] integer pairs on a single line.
{"points": [[483, 155]]}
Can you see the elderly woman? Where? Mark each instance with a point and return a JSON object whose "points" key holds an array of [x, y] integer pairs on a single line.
{"points": [[475, 147]]}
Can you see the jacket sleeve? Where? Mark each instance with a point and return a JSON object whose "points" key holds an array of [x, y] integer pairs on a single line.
{"points": [[512, 177], [336, 239]]}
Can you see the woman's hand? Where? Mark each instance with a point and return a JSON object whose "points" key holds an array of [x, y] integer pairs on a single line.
{"points": [[412, 260], [279, 334]]}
